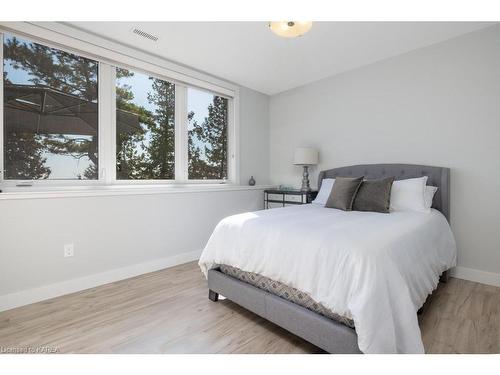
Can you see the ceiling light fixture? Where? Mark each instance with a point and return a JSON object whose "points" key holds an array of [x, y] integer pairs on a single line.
{"points": [[290, 29]]}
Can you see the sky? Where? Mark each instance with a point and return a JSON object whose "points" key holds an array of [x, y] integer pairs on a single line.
{"points": [[67, 167], [197, 100]]}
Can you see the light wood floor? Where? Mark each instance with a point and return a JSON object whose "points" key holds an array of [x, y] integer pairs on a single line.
{"points": [[168, 312]]}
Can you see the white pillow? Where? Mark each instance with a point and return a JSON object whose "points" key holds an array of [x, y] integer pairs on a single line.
{"points": [[408, 195], [324, 191], [429, 195]]}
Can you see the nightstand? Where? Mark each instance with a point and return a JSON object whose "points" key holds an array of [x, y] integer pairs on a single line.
{"points": [[274, 198]]}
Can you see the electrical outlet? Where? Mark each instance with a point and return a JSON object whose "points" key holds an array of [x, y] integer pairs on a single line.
{"points": [[69, 250]]}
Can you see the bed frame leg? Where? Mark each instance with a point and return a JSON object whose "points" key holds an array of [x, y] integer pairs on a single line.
{"points": [[213, 296], [445, 276]]}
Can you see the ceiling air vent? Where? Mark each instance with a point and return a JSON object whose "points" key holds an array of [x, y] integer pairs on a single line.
{"points": [[145, 34]]}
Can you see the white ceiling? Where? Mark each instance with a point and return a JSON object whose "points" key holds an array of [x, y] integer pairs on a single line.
{"points": [[249, 54]]}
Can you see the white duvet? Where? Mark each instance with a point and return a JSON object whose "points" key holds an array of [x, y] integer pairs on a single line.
{"points": [[376, 269]]}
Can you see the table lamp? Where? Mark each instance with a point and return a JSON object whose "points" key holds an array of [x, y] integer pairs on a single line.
{"points": [[305, 156]]}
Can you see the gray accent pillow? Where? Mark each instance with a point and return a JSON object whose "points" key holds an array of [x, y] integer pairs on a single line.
{"points": [[343, 193], [374, 195]]}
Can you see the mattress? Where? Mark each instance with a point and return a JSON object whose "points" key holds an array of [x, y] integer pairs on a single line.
{"points": [[375, 269], [284, 291]]}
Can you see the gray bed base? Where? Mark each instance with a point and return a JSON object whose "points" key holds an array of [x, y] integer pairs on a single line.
{"points": [[327, 334]]}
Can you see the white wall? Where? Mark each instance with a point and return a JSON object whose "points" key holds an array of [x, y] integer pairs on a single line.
{"points": [[254, 136], [109, 232], [437, 106], [121, 236]]}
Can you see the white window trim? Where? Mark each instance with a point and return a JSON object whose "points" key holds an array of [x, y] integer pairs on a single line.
{"points": [[117, 190], [109, 55], [181, 133], [42, 184], [107, 121]]}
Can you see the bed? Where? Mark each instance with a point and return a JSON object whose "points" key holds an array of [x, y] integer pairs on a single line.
{"points": [[348, 282]]}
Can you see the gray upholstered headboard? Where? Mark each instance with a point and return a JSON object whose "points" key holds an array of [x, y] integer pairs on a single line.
{"points": [[438, 176]]}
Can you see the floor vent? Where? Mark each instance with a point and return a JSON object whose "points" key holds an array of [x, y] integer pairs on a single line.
{"points": [[145, 34]]}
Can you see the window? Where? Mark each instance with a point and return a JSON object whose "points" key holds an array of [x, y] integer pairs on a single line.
{"points": [[50, 113], [207, 136], [69, 118], [145, 127]]}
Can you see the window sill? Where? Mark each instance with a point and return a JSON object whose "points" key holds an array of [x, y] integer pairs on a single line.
{"points": [[98, 191]]}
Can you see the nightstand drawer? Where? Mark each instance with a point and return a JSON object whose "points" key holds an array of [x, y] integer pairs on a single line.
{"points": [[275, 197], [295, 198], [287, 197]]}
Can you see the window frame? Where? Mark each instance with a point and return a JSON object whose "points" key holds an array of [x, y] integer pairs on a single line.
{"points": [[113, 127], [41, 183], [230, 135], [232, 177], [107, 111]]}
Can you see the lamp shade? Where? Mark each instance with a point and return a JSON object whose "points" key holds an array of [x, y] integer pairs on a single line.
{"points": [[305, 156]]}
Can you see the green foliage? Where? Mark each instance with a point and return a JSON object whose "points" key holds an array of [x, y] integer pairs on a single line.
{"points": [[23, 165], [51, 67], [58, 70], [148, 152], [161, 147], [145, 150], [209, 162]]}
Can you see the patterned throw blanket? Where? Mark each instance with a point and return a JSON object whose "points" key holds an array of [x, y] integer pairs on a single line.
{"points": [[284, 291]]}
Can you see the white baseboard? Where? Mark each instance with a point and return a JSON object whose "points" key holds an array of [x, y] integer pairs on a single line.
{"points": [[478, 276], [25, 297]]}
